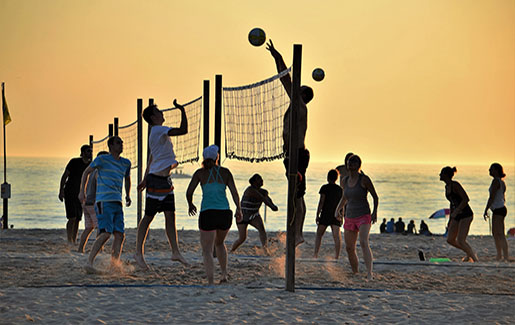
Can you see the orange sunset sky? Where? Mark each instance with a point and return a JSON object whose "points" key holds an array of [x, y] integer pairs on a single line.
{"points": [[406, 80]]}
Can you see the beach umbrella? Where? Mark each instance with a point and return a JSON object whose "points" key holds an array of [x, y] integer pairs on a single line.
{"points": [[442, 213]]}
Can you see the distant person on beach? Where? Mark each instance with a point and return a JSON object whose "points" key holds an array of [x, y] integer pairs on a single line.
{"points": [[461, 214], [382, 227], [112, 171], [411, 228], [497, 203], [90, 217], [69, 190], [358, 219], [390, 226], [342, 169], [330, 196], [251, 201], [424, 229], [215, 218], [160, 196], [306, 95], [399, 226]]}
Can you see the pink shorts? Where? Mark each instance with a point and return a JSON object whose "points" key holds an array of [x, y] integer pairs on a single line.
{"points": [[353, 224], [90, 217]]}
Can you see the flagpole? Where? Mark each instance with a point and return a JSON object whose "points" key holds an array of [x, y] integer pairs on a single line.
{"points": [[5, 207]]}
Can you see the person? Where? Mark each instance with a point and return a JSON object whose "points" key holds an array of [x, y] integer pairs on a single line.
{"points": [[390, 226], [399, 226], [497, 203], [461, 213], [342, 169], [69, 189], [306, 95], [411, 228], [88, 206], [330, 196], [382, 227], [424, 229], [251, 201], [215, 218], [112, 171], [358, 219], [160, 196]]}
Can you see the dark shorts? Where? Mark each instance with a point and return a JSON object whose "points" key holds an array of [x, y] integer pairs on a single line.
{"points": [[302, 167], [73, 207], [153, 206], [248, 218], [215, 220], [466, 213], [329, 221], [500, 212]]}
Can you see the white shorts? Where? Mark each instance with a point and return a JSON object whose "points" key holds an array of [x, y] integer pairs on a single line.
{"points": [[90, 217]]}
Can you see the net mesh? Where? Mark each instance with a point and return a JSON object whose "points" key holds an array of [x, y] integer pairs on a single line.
{"points": [[254, 120], [129, 136], [186, 147], [100, 145]]}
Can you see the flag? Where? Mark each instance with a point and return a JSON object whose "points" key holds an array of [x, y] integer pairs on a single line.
{"points": [[5, 109]]}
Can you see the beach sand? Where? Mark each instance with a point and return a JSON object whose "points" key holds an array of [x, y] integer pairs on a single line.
{"points": [[42, 279]]}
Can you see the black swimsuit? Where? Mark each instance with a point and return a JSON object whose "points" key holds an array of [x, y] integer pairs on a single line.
{"points": [[455, 200]]}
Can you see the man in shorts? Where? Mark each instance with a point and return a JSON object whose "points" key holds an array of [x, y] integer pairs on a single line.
{"points": [[160, 196], [306, 95], [69, 189], [112, 170], [88, 206]]}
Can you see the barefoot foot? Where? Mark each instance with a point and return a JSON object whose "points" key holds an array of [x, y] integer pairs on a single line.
{"points": [[180, 258], [141, 262]]}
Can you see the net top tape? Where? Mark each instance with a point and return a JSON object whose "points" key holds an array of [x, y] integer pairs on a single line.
{"points": [[259, 83]]}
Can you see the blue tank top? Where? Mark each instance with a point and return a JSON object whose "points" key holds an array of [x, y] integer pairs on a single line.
{"points": [[213, 192]]}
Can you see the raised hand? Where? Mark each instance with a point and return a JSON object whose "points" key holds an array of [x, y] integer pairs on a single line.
{"points": [[177, 104], [270, 47]]}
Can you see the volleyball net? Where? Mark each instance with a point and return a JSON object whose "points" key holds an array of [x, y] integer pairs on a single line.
{"points": [[253, 116], [129, 136], [186, 147], [100, 145]]}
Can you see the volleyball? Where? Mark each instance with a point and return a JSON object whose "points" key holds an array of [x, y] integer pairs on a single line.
{"points": [[318, 74], [257, 37]]}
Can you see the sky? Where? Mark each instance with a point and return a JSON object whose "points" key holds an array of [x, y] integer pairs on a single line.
{"points": [[406, 81]]}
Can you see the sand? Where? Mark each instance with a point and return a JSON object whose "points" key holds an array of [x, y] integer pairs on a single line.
{"points": [[42, 279]]}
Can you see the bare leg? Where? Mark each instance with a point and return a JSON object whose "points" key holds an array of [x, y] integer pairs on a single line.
{"points": [[171, 233], [364, 231], [141, 237], [452, 234], [300, 215], [318, 239], [337, 236], [463, 230], [75, 229], [221, 252], [257, 223], [84, 239], [242, 236], [207, 240], [119, 238], [97, 245], [69, 229], [500, 240], [351, 238]]}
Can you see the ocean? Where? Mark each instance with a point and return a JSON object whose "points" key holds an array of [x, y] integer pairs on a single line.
{"points": [[412, 192]]}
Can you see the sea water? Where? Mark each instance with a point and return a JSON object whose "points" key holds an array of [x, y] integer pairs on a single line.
{"points": [[412, 192]]}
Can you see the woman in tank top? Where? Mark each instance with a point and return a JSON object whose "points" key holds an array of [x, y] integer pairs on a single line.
{"points": [[215, 218], [251, 201], [461, 214], [496, 203], [357, 217]]}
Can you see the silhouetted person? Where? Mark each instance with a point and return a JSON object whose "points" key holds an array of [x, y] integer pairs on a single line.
{"points": [[69, 191], [424, 229], [390, 226], [411, 228], [382, 227], [399, 226]]}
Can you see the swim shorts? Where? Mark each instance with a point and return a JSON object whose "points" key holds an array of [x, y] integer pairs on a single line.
{"points": [[110, 216], [353, 224], [215, 220]]}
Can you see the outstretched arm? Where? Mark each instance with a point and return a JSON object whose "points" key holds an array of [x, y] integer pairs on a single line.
{"points": [[281, 66], [183, 128], [263, 195]]}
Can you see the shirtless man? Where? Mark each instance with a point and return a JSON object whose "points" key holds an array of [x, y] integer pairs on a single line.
{"points": [[306, 95]]}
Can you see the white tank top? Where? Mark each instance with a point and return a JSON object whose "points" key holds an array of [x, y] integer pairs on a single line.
{"points": [[499, 198]]}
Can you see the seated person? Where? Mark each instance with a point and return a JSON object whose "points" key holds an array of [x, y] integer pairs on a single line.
{"points": [[399, 226], [411, 228], [390, 226], [424, 229], [382, 227]]}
